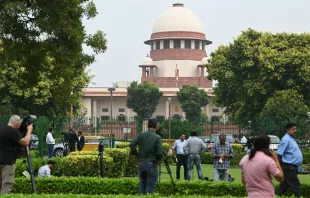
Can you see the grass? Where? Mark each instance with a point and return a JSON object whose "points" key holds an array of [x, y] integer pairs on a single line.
{"points": [[207, 171]]}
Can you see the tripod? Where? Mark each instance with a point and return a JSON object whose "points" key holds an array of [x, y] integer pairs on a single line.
{"points": [[100, 159], [168, 172], [66, 145], [26, 153]]}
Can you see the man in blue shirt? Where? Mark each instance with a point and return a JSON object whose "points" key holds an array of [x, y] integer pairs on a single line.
{"points": [[291, 158], [179, 154]]}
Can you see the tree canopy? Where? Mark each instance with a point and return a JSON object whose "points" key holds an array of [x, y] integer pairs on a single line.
{"points": [[143, 98], [263, 74], [192, 99], [43, 68]]}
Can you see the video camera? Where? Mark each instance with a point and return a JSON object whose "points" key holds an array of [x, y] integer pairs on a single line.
{"points": [[101, 146], [27, 120]]}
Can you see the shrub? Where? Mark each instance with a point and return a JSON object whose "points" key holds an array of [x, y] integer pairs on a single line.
{"points": [[306, 156], [21, 166], [93, 196], [120, 160], [86, 165], [99, 186], [133, 165], [122, 144], [237, 148], [35, 154], [84, 153], [206, 158]]}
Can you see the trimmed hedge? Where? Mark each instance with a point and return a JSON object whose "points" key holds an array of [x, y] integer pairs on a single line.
{"points": [[237, 148], [96, 186], [97, 196], [74, 165]]}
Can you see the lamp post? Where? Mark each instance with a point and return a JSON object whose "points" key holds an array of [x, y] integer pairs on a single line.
{"points": [[249, 125], [111, 89], [71, 113], [169, 138]]}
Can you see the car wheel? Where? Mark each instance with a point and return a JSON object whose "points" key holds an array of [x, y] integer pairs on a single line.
{"points": [[59, 152]]}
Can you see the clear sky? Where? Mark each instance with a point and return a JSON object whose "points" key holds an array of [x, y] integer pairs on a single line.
{"points": [[128, 23]]}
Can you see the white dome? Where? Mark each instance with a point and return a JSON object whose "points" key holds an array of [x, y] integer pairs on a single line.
{"points": [[147, 61], [204, 61], [178, 18]]}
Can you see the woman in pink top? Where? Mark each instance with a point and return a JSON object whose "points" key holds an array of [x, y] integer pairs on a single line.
{"points": [[258, 168]]}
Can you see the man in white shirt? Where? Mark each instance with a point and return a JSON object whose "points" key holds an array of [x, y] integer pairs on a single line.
{"points": [[45, 171], [50, 141], [179, 154], [243, 142]]}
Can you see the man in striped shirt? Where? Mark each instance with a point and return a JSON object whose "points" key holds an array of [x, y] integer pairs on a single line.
{"points": [[221, 152]]}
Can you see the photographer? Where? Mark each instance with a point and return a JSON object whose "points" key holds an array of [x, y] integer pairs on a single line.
{"points": [[10, 141], [150, 153]]}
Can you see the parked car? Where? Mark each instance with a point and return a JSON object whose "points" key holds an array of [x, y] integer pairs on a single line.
{"points": [[215, 138], [91, 143], [205, 139], [274, 142]]}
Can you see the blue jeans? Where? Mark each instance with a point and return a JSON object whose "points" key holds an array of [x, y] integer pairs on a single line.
{"points": [[194, 159], [220, 174], [50, 150], [148, 175]]}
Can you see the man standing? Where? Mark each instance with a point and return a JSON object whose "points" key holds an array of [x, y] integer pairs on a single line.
{"points": [[291, 158], [194, 147], [10, 141], [45, 171], [179, 154], [72, 139], [50, 141], [221, 152], [80, 141], [150, 153]]}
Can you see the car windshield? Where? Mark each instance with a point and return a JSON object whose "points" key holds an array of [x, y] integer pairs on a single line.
{"points": [[229, 138], [274, 140]]}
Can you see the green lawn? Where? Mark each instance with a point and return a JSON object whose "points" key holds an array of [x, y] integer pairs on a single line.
{"points": [[207, 171]]}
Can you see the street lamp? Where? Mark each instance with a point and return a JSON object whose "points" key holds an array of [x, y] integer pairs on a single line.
{"points": [[169, 101], [111, 89]]}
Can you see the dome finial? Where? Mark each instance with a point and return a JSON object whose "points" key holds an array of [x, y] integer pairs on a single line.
{"points": [[178, 5]]}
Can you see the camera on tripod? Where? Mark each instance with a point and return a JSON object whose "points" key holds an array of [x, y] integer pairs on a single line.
{"points": [[101, 146], [27, 120]]}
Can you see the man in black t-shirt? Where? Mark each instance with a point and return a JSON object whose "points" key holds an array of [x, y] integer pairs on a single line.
{"points": [[10, 141]]}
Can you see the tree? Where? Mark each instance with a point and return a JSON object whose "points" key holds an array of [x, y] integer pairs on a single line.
{"points": [[192, 99], [286, 106], [43, 68], [143, 98], [255, 67]]}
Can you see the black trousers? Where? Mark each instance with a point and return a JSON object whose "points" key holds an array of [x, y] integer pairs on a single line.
{"points": [[182, 160], [290, 180], [72, 148]]}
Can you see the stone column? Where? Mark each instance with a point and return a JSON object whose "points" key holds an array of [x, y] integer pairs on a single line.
{"points": [[94, 111]]}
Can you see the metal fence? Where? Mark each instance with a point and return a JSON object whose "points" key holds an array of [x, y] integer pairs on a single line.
{"points": [[123, 128]]}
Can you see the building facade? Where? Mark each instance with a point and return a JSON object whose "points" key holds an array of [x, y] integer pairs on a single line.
{"points": [[176, 58]]}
